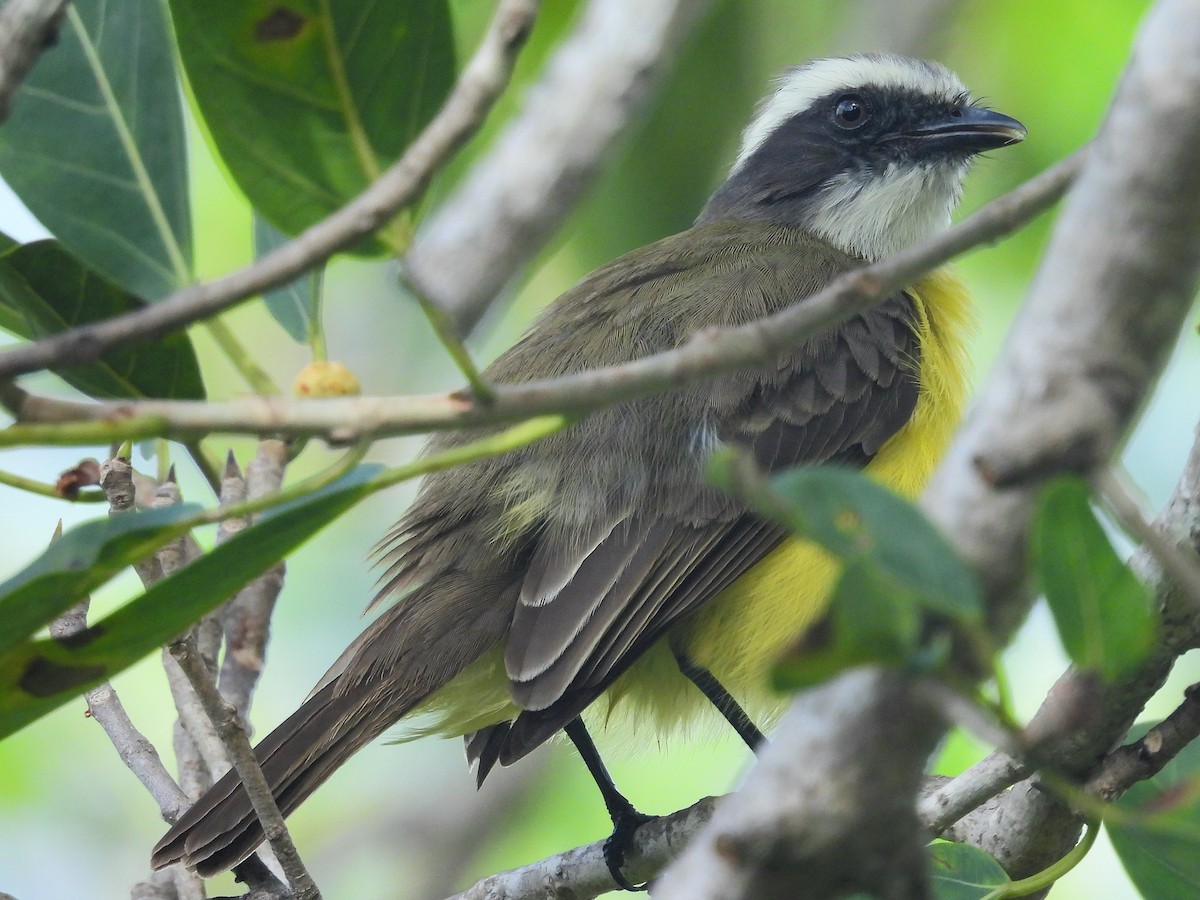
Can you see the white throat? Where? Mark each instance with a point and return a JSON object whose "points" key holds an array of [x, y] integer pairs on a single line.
{"points": [[875, 215]]}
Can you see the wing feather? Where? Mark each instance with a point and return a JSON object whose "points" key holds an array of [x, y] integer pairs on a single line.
{"points": [[840, 403]]}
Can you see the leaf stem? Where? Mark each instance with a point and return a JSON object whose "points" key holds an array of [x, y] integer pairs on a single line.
{"points": [[316, 325], [446, 332], [1048, 876], [208, 468], [502, 442], [258, 379], [73, 434]]}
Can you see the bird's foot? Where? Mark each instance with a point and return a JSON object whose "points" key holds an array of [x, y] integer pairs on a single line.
{"points": [[625, 825]]}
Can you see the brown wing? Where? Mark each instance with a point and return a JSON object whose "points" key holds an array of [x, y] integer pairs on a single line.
{"points": [[586, 612]]}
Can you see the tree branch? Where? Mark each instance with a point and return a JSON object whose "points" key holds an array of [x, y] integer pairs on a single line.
{"points": [[1112, 293], [706, 355], [828, 806], [1082, 751], [908, 27], [1102, 315], [1145, 757], [480, 83], [228, 725], [582, 873], [134, 748], [117, 478], [27, 27], [517, 197], [246, 619]]}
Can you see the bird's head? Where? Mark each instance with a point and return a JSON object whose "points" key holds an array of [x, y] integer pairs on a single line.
{"points": [[868, 152]]}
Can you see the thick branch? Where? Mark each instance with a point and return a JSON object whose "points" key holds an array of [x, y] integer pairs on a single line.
{"points": [[400, 185], [582, 872], [1081, 751], [707, 355], [1101, 318], [918, 28], [828, 808], [516, 198], [1115, 287]]}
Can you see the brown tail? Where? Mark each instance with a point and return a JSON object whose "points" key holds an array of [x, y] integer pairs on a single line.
{"points": [[401, 659], [221, 829]]}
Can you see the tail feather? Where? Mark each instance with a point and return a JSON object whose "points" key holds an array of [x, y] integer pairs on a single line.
{"points": [[221, 829], [392, 667]]}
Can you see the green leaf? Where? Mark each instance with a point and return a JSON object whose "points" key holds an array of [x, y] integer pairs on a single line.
{"points": [[962, 872], [294, 306], [869, 621], [1157, 835], [95, 145], [45, 290], [307, 101], [80, 561], [38, 676], [1105, 615], [856, 518]]}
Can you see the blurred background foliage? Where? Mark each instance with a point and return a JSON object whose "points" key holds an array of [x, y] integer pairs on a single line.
{"points": [[405, 821]]}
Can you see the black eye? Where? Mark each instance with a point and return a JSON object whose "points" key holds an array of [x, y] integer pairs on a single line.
{"points": [[851, 111]]}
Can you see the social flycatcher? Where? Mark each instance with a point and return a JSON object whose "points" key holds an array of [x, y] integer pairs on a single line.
{"points": [[598, 572]]}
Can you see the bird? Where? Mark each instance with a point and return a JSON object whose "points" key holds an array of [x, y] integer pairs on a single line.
{"points": [[597, 576]]}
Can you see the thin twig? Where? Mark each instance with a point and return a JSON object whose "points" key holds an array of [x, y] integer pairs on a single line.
{"points": [[1145, 758], [944, 800], [480, 83], [117, 478], [227, 724], [707, 355], [134, 748], [1178, 564], [8, 479], [246, 619]]}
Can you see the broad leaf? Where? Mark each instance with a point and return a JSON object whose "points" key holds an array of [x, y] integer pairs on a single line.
{"points": [[45, 290], [1157, 837], [962, 872], [12, 295], [38, 676], [856, 518], [1105, 615], [294, 306], [308, 101], [79, 562], [869, 620], [95, 145]]}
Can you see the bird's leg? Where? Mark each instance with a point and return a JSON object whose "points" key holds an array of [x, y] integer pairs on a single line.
{"points": [[722, 700], [626, 820]]}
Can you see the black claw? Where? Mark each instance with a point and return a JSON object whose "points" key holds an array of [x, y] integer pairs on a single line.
{"points": [[626, 820], [625, 825]]}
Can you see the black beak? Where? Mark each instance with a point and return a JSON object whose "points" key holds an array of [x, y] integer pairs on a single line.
{"points": [[970, 130]]}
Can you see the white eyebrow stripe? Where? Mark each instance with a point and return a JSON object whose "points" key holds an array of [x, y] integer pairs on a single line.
{"points": [[801, 86]]}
